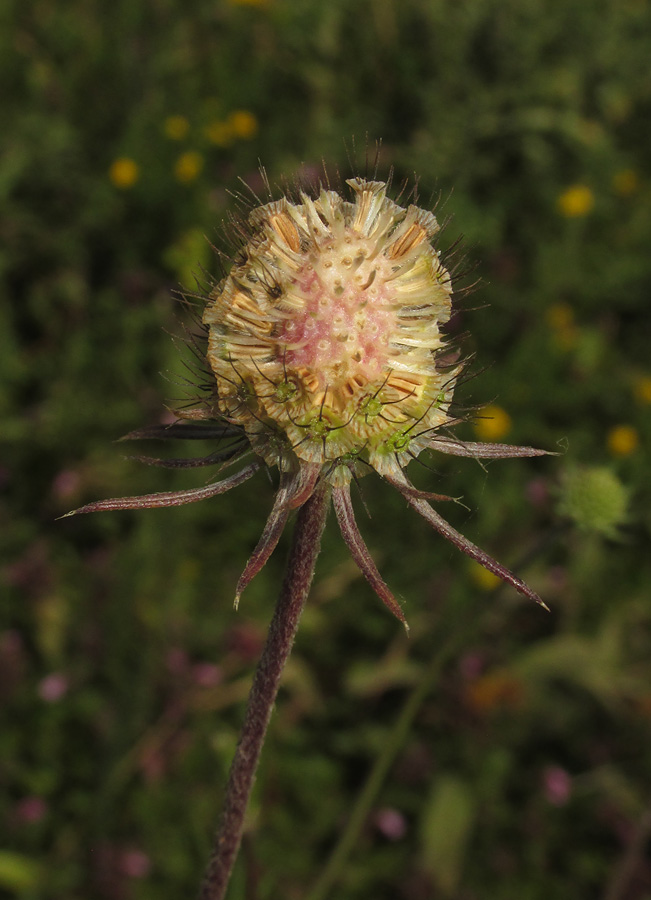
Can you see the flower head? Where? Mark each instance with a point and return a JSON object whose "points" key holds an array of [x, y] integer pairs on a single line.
{"points": [[328, 361], [124, 172], [325, 338], [576, 201], [243, 123], [622, 440], [188, 166], [492, 423]]}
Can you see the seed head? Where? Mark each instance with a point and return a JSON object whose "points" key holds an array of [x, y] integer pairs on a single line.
{"points": [[325, 338], [327, 360]]}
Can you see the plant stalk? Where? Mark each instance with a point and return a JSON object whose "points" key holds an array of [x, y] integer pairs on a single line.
{"points": [[332, 872], [306, 543]]}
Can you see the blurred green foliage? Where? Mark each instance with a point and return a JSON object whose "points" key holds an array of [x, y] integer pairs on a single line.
{"points": [[525, 771]]}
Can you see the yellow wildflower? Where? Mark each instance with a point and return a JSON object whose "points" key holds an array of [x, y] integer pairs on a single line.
{"points": [[493, 423], [576, 201], [622, 440], [188, 166], [243, 123], [124, 172], [220, 133], [642, 389], [626, 183], [176, 127]]}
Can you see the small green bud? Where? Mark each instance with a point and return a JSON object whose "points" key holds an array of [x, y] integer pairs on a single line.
{"points": [[595, 499]]}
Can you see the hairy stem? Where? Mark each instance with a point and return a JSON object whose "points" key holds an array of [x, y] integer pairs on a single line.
{"points": [[305, 547]]}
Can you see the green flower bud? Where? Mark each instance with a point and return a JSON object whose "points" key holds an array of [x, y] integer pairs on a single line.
{"points": [[595, 499]]}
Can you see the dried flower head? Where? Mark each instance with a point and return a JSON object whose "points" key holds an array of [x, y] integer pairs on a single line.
{"points": [[328, 361], [325, 337]]}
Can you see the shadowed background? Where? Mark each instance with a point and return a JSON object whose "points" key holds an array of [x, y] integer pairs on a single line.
{"points": [[523, 770]]}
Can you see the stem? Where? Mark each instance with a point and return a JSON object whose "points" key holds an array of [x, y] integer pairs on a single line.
{"points": [[306, 543], [334, 868]]}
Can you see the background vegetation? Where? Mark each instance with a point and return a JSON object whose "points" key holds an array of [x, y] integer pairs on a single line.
{"points": [[521, 765]]}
